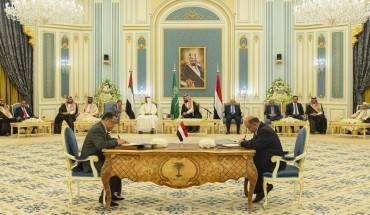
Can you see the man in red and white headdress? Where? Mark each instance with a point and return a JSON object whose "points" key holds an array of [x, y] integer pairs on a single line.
{"points": [[68, 112]]}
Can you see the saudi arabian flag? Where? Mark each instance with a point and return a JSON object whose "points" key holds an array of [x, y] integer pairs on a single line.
{"points": [[130, 103], [175, 98]]}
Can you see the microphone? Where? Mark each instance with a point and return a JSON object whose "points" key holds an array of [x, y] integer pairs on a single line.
{"points": [[207, 110]]}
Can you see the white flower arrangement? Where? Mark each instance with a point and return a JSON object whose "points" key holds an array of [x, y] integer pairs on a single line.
{"points": [[90, 119], [106, 92], [290, 120], [350, 121], [207, 143], [159, 142], [279, 91], [32, 120]]}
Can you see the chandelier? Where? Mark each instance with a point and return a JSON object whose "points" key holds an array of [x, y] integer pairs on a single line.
{"points": [[332, 12], [43, 11]]}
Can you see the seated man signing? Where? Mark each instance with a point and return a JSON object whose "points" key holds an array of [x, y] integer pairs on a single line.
{"points": [[267, 144], [96, 140], [232, 111], [147, 120]]}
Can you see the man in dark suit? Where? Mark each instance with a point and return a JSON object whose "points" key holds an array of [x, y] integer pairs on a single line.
{"points": [[24, 112], [295, 110], [232, 111], [267, 144], [273, 113], [96, 140], [68, 112]]}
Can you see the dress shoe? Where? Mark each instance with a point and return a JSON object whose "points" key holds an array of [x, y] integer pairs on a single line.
{"points": [[261, 195], [151, 132], [227, 132], [112, 204], [140, 132], [116, 198]]}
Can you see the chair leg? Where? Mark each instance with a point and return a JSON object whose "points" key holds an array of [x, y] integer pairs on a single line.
{"points": [[300, 191], [78, 188], [69, 187], [265, 192]]}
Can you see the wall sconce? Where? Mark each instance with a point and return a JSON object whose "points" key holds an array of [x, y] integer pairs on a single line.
{"points": [[65, 66], [320, 66], [142, 93]]}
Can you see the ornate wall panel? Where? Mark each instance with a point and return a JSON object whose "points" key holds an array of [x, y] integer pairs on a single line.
{"points": [[243, 63], [116, 73], [49, 65], [337, 65], [141, 64], [288, 43], [321, 57], [269, 42], [98, 42], [65, 63]]}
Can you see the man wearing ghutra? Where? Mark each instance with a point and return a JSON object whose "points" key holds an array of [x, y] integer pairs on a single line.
{"points": [[147, 120], [5, 119], [190, 109], [89, 109], [68, 112], [316, 117]]}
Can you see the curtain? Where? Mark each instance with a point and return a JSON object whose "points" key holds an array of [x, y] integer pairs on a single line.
{"points": [[16, 55], [361, 65], [8, 91], [367, 95]]}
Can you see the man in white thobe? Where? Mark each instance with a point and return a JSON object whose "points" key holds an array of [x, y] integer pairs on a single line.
{"points": [[147, 120], [89, 109]]}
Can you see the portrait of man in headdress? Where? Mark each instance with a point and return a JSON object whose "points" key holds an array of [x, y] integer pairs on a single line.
{"points": [[192, 67]]}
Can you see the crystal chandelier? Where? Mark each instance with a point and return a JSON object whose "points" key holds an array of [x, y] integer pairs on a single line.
{"points": [[332, 12], [43, 11]]}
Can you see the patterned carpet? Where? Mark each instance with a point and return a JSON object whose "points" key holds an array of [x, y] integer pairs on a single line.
{"points": [[32, 181]]}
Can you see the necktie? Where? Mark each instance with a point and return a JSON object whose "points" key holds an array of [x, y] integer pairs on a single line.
{"points": [[24, 113], [232, 109], [295, 112], [272, 110]]}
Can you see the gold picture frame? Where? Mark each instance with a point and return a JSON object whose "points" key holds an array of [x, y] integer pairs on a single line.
{"points": [[192, 68]]}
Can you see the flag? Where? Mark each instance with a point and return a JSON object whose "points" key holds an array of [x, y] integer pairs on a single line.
{"points": [[175, 98], [182, 133], [218, 106], [130, 103]]}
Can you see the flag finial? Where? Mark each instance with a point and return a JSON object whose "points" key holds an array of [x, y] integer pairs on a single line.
{"points": [[217, 69], [174, 67], [130, 70]]}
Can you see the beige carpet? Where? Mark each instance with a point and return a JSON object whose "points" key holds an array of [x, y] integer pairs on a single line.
{"points": [[337, 181]]}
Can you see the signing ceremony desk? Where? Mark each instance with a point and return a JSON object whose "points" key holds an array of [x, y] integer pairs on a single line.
{"points": [[180, 166]]}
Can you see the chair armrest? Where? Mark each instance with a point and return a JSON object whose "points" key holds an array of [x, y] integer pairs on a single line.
{"points": [[92, 159]]}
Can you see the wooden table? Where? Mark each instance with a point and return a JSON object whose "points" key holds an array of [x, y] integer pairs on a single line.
{"points": [[338, 126], [287, 126], [180, 166], [43, 128]]}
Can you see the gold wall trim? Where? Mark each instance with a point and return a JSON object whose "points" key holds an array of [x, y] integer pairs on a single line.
{"points": [[30, 31], [356, 30]]}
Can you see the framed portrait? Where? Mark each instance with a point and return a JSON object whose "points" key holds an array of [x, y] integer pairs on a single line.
{"points": [[192, 68]]}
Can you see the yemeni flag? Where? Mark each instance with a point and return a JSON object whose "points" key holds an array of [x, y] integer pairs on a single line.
{"points": [[218, 106], [175, 98], [182, 133], [130, 103]]}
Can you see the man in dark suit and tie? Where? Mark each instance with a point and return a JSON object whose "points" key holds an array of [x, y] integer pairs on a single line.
{"points": [[267, 144], [295, 109], [23, 112], [232, 111], [273, 113], [96, 140]]}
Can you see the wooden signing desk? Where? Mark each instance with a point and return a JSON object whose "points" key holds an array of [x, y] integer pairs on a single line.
{"points": [[180, 167]]}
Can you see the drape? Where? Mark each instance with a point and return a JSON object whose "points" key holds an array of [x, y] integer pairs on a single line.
{"points": [[7, 90], [16, 55], [361, 65]]}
